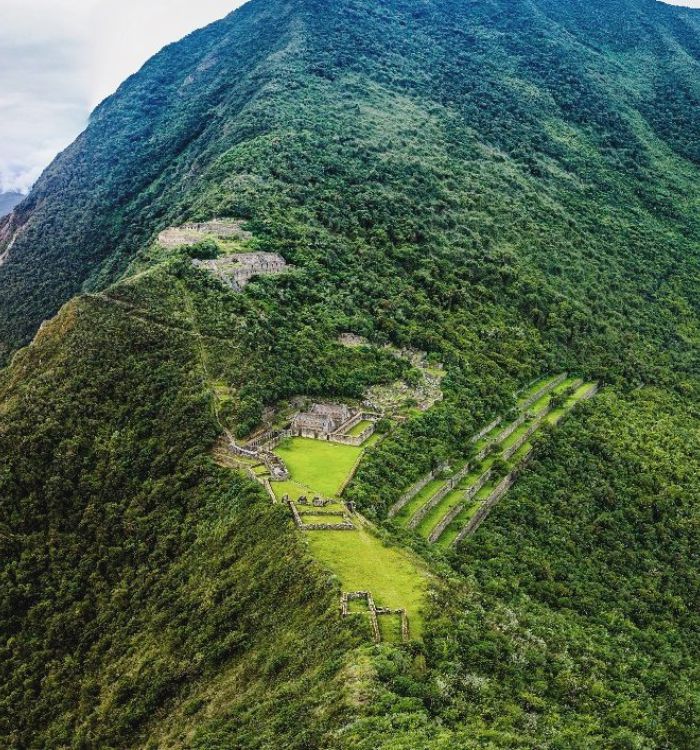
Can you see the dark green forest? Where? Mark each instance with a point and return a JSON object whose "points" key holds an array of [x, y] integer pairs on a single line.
{"points": [[508, 185]]}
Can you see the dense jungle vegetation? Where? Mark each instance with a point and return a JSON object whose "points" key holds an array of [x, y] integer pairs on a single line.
{"points": [[509, 185]]}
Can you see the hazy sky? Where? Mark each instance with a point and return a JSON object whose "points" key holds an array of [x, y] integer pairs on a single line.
{"points": [[59, 58]]}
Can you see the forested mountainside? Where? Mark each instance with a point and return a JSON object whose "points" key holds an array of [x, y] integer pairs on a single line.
{"points": [[510, 186]]}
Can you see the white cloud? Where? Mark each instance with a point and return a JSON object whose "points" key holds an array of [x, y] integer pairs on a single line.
{"points": [[60, 58], [686, 3]]}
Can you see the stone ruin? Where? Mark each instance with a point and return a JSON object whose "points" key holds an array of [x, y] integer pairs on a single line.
{"points": [[191, 234], [374, 613], [237, 270], [321, 420]]}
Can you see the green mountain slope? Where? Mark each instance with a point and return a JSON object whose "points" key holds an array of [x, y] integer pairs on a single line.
{"points": [[510, 186]]}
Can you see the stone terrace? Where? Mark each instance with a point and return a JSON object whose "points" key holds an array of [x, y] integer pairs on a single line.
{"points": [[191, 234]]}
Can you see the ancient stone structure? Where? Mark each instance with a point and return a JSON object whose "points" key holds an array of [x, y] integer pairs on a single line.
{"points": [[191, 234], [442, 491], [415, 488], [374, 613], [238, 269], [344, 524], [480, 516], [546, 388], [483, 433], [510, 428], [352, 340], [332, 422]]}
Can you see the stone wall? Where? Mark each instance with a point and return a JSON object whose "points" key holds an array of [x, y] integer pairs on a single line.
{"points": [[510, 429], [487, 429], [449, 485], [447, 519], [543, 391], [374, 613], [192, 233], [480, 516], [445, 522], [415, 488]]}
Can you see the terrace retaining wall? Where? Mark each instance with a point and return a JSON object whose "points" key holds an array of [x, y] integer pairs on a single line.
{"points": [[543, 391], [449, 485], [487, 429], [415, 488]]}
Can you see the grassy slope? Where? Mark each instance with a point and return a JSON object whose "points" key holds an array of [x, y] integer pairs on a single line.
{"points": [[585, 568], [323, 467], [360, 559]]}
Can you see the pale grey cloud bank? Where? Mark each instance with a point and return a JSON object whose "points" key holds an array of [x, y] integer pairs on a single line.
{"points": [[60, 58]]}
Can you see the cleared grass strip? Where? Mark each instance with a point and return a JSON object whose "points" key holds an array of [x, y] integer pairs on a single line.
{"points": [[418, 501], [538, 390], [437, 520]]}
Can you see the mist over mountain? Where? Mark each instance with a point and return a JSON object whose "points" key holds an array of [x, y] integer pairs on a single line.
{"points": [[463, 216], [8, 201]]}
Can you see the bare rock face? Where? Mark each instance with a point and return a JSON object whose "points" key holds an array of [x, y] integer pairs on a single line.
{"points": [[191, 234], [238, 269]]}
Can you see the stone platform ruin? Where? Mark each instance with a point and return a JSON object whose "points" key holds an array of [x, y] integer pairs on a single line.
{"points": [[191, 234], [238, 269]]}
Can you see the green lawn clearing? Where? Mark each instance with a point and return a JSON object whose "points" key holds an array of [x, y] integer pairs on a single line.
{"points": [[320, 466], [363, 563]]}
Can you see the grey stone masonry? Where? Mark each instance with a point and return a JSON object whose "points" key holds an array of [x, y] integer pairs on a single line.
{"points": [[238, 269], [374, 613], [510, 428], [191, 234], [345, 525], [446, 520], [487, 429], [480, 516], [414, 489], [446, 488]]}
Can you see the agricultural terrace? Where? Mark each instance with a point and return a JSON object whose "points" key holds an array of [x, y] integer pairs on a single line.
{"points": [[452, 505]]}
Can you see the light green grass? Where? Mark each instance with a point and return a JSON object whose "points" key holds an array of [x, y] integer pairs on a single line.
{"points": [[419, 500], [453, 498], [320, 466], [363, 563], [358, 605], [554, 416], [359, 428], [314, 518], [439, 511], [293, 489], [536, 386], [450, 533], [515, 436], [390, 628]]}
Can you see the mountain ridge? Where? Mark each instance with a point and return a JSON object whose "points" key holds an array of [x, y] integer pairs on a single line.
{"points": [[504, 191]]}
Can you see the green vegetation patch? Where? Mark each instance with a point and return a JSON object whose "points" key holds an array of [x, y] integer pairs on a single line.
{"points": [[419, 500], [320, 465], [359, 428], [363, 562]]}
